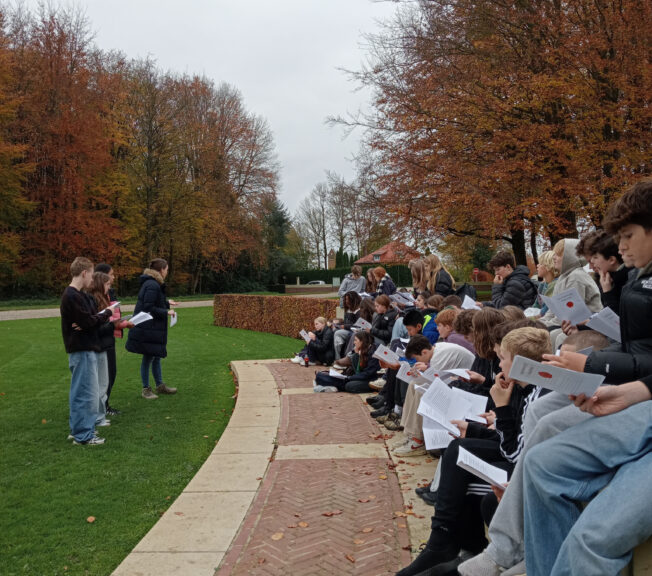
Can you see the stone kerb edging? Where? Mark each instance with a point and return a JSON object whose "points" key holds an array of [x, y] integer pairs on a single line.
{"points": [[193, 535]]}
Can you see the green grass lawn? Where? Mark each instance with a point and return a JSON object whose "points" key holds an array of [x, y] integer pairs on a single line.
{"points": [[50, 487]]}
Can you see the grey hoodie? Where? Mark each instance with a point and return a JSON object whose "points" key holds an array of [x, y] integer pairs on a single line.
{"points": [[573, 276]]}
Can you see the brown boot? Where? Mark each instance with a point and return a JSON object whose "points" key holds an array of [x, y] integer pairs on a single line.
{"points": [[148, 394], [163, 389]]}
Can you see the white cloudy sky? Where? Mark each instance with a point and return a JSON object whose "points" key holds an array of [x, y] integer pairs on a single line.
{"points": [[283, 55]]}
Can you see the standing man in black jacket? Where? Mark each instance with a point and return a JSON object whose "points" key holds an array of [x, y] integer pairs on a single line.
{"points": [[80, 321], [512, 284]]}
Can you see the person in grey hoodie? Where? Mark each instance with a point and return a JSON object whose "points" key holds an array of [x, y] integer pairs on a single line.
{"points": [[572, 275], [354, 281]]}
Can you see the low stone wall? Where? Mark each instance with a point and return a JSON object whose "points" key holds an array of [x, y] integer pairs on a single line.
{"points": [[272, 314]]}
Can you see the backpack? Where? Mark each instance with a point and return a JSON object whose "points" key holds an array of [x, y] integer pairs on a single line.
{"points": [[466, 290]]}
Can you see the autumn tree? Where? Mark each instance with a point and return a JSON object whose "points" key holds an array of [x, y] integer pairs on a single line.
{"points": [[493, 119]]}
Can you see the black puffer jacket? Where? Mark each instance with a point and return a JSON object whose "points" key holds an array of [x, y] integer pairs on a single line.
{"points": [[324, 345], [150, 338], [382, 324], [632, 359], [516, 290], [444, 284]]}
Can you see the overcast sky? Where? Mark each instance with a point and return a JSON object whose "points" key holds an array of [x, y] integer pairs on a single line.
{"points": [[283, 55]]}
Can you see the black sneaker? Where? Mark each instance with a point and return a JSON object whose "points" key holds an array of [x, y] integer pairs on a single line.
{"points": [[421, 490], [375, 401], [432, 561], [429, 497], [382, 411], [113, 412]]}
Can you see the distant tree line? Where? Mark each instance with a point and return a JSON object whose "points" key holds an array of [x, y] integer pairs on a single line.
{"points": [[116, 160]]}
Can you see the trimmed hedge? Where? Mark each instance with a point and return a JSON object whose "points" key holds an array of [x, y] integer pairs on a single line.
{"points": [[272, 314]]}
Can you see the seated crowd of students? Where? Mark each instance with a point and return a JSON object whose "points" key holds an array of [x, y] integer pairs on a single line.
{"points": [[577, 501]]}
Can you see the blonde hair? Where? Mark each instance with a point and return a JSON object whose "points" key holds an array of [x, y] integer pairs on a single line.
{"points": [[559, 247], [529, 342], [433, 266], [321, 320], [512, 313], [546, 260], [80, 264], [418, 269]]}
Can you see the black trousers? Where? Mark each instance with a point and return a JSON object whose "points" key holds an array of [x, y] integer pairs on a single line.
{"points": [[110, 358], [457, 512]]}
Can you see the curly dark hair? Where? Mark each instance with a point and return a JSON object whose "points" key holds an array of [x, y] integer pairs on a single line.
{"points": [[633, 207]]}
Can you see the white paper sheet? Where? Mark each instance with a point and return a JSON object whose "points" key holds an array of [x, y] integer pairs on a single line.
{"points": [[335, 374], [435, 436], [304, 335], [140, 318], [478, 405], [361, 324], [606, 322], [173, 319], [554, 378], [568, 305], [532, 312], [469, 303], [386, 355], [491, 474], [441, 404]]}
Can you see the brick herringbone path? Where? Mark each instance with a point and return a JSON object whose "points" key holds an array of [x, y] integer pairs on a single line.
{"points": [[322, 516]]}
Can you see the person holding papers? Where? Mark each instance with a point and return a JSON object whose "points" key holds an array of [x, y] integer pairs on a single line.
{"points": [[571, 275], [80, 323], [342, 331], [99, 291], [457, 523], [383, 283], [383, 321], [150, 338], [319, 345], [364, 368], [630, 217]]}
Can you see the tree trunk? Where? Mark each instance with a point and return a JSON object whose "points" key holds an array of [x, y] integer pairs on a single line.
{"points": [[533, 242], [518, 246]]}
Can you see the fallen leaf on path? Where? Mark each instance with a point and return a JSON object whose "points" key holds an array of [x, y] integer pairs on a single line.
{"points": [[277, 535], [304, 524], [178, 513], [317, 432], [367, 530], [363, 500], [357, 541], [350, 558]]}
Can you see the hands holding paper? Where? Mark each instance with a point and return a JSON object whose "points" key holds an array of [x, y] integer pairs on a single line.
{"points": [[569, 360], [463, 425]]}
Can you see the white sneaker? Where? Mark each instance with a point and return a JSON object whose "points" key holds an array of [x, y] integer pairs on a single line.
{"points": [[94, 441], [516, 570], [377, 384], [317, 388], [330, 389], [410, 448], [297, 360], [480, 565], [103, 424]]}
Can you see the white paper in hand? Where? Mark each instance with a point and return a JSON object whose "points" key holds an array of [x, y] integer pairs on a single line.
{"points": [[553, 378], [140, 318], [568, 305], [606, 322], [173, 319], [491, 474], [304, 335], [469, 303], [442, 405], [361, 324], [335, 374], [386, 355], [435, 436]]}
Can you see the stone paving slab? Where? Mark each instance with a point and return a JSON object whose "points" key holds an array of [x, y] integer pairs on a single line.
{"points": [[169, 563], [238, 472]]}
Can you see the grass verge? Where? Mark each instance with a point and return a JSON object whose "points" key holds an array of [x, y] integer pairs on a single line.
{"points": [[51, 487]]}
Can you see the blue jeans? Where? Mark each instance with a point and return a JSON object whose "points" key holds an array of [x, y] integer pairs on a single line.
{"points": [[399, 331], [606, 460], [155, 363], [84, 394]]}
